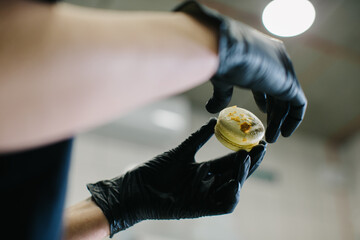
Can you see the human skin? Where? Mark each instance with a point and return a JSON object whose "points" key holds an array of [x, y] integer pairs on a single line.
{"points": [[66, 69], [85, 220]]}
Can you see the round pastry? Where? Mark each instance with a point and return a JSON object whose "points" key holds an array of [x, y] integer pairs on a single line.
{"points": [[237, 129]]}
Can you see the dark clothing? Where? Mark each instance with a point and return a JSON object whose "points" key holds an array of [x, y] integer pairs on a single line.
{"points": [[33, 187]]}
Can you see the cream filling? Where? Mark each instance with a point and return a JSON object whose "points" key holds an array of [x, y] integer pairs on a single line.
{"points": [[218, 133]]}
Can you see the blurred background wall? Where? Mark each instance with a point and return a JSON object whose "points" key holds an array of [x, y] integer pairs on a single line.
{"points": [[308, 186]]}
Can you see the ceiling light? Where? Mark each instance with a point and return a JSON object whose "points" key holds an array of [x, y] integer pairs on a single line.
{"points": [[287, 18]]}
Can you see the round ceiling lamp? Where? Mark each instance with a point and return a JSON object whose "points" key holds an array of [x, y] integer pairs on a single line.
{"points": [[288, 18]]}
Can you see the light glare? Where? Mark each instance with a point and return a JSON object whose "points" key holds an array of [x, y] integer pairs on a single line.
{"points": [[167, 119], [287, 18]]}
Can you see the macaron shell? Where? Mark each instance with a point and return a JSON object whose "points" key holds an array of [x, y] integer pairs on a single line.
{"points": [[238, 128]]}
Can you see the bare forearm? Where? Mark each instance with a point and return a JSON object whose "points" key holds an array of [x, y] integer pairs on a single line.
{"points": [[85, 220], [65, 69]]}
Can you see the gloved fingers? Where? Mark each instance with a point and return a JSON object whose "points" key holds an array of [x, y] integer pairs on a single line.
{"points": [[295, 96], [277, 110], [226, 194], [231, 166], [227, 168], [202, 181], [196, 140], [223, 164], [295, 116], [257, 154], [225, 198], [244, 167], [221, 96], [260, 100]]}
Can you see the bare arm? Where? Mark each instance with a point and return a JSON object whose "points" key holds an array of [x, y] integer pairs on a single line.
{"points": [[85, 220], [65, 69]]}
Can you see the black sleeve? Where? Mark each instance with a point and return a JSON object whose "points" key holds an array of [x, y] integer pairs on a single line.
{"points": [[32, 189]]}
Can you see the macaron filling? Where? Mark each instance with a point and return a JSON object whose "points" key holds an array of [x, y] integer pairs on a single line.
{"points": [[230, 144]]}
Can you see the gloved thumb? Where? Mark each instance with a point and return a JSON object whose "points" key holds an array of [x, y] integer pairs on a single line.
{"points": [[193, 143], [221, 97]]}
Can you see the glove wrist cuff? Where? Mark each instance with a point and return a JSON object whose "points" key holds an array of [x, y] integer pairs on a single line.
{"points": [[200, 12], [218, 21], [104, 203]]}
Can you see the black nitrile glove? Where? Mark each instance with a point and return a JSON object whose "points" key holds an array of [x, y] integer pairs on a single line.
{"points": [[253, 60], [174, 186]]}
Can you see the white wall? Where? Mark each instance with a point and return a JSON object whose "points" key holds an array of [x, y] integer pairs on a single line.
{"points": [[350, 159], [300, 200]]}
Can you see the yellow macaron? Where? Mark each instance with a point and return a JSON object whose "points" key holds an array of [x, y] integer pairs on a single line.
{"points": [[238, 129]]}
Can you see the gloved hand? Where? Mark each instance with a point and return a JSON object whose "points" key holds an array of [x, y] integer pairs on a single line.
{"points": [[250, 59], [174, 186]]}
